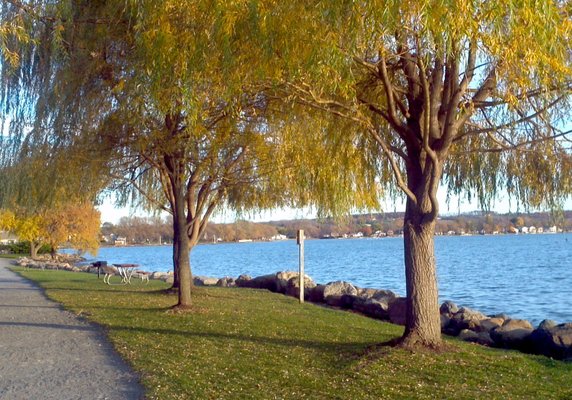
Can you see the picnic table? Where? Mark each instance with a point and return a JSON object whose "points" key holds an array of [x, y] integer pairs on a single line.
{"points": [[126, 271]]}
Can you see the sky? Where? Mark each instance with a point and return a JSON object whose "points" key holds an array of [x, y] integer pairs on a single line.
{"points": [[109, 213]]}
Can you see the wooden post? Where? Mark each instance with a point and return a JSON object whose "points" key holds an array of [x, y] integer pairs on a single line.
{"points": [[300, 240]]}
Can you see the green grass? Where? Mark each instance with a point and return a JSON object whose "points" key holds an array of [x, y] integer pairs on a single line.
{"points": [[12, 256], [249, 344]]}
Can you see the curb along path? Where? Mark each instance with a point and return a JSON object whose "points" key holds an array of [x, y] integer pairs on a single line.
{"points": [[48, 353]]}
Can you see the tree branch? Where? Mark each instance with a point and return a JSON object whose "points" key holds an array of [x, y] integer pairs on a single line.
{"points": [[508, 146], [510, 124], [395, 168], [142, 192], [397, 124]]}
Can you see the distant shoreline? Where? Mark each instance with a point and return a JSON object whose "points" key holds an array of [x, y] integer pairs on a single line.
{"points": [[106, 245]]}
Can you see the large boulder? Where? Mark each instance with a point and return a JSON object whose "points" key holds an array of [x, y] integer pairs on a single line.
{"points": [[487, 325], [204, 281], [316, 294], [69, 267], [23, 261], [464, 318], [243, 280], [334, 291], [448, 308], [348, 300], [552, 340], [377, 294], [293, 286], [445, 319], [371, 302], [68, 258], [502, 316], [397, 310], [158, 275], [268, 282], [226, 282], [282, 279], [371, 307], [476, 337], [366, 293], [513, 334]]}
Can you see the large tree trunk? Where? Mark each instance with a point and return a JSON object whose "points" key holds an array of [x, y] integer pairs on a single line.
{"points": [[34, 247], [176, 281], [423, 323], [181, 256]]}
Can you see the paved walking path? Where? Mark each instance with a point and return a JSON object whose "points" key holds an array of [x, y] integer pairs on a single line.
{"points": [[48, 353]]}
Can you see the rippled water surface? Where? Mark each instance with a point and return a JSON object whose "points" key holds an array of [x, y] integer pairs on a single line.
{"points": [[526, 276]]}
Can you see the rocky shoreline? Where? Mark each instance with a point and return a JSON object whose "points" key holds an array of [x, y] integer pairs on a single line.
{"points": [[501, 331]]}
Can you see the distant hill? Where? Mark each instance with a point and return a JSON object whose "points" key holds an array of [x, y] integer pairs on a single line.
{"points": [[139, 230], [383, 224]]}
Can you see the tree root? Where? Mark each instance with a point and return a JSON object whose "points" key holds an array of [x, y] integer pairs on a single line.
{"points": [[180, 309], [414, 343], [171, 290]]}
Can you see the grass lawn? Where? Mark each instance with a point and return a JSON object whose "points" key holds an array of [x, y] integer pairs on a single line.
{"points": [[251, 344], [12, 256]]}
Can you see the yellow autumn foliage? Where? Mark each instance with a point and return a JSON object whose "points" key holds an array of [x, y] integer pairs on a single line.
{"points": [[74, 224]]}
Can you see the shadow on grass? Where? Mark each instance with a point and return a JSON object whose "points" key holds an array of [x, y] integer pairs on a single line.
{"points": [[48, 285], [547, 362], [131, 309], [104, 290], [350, 351]]}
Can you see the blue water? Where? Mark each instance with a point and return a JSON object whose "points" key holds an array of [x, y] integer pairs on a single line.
{"points": [[525, 276]]}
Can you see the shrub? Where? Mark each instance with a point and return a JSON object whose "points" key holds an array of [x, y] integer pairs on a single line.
{"points": [[24, 248]]}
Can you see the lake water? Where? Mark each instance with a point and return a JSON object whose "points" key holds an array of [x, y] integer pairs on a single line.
{"points": [[525, 276]]}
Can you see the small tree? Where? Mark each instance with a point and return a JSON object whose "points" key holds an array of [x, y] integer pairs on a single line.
{"points": [[74, 224], [25, 228]]}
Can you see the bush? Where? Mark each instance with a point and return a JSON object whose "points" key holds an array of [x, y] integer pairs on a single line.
{"points": [[5, 249], [22, 248]]}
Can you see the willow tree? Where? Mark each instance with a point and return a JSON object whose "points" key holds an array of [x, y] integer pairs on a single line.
{"points": [[190, 137], [189, 169], [44, 161], [160, 87], [198, 130], [470, 94]]}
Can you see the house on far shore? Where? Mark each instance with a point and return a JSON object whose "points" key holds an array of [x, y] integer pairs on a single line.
{"points": [[7, 238], [279, 237], [120, 241]]}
